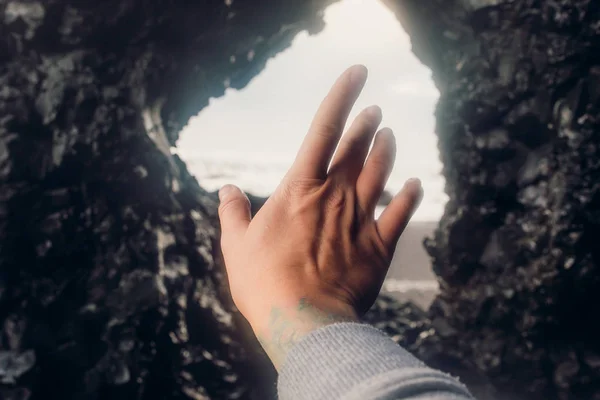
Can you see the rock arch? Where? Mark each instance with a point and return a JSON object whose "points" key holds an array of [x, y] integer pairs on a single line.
{"points": [[109, 286]]}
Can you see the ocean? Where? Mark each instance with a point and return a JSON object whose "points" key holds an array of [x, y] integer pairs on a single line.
{"points": [[261, 175]]}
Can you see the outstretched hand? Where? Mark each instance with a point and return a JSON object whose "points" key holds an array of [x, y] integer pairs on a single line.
{"points": [[314, 254]]}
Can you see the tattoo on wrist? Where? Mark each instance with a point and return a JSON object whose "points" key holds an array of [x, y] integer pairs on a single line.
{"points": [[287, 327]]}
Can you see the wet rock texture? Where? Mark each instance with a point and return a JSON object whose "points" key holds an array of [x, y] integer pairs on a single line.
{"points": [[519, 127], [108, 284]]}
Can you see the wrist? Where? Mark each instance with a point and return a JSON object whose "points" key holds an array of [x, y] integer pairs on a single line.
{"points": [[286, 326]]}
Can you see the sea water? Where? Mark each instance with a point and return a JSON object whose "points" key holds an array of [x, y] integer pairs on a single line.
{"points": [[260, 176]]}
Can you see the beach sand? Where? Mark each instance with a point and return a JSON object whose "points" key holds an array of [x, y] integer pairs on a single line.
{"points": [[410, 276]]}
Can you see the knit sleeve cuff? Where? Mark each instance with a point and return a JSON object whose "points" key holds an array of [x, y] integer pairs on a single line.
{"points": [[351, 360]]}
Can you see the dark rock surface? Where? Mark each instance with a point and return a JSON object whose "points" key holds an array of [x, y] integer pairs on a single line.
{"points": [[108, 284], [519, 129], [111, 284]]}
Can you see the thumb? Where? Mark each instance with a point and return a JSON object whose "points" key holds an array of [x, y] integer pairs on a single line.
{"points": [[234, 214]]}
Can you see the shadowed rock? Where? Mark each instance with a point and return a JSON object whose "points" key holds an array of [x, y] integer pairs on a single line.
{"points": [[111, 283], [110, 280], [519, 129]]}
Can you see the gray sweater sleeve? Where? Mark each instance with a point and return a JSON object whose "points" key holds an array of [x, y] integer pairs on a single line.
{"points": [[352, 361]]}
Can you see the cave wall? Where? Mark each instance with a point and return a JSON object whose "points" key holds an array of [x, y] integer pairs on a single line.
{"points": [[109, 287], [110, 282], [516, 251]]}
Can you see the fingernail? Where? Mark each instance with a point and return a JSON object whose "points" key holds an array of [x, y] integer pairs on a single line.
{"points": [[358, 73], [225, 191], [387, 132], [374, 111], [413, 182]]}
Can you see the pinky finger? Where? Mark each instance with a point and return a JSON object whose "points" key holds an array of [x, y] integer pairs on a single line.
{"points": [[398, 213]]}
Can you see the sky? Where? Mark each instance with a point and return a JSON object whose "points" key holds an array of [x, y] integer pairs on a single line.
{"points": [[250, 137]]}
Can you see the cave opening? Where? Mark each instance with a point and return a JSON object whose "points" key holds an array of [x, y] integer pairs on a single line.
{"points": [[111, 280], [249, 137]]}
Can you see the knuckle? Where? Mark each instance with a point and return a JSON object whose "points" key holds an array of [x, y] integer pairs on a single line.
{"points": [[336, 199], [294, 186], [299, 187], [382, 253], [379, 163], [238, 201], [353, 142], [326, 130]]}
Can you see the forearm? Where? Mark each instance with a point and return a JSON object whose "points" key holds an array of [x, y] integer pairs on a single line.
{"points": [[356, 361]]}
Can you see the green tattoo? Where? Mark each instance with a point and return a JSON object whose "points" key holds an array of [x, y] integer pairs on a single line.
{"points": [[288, 327]]}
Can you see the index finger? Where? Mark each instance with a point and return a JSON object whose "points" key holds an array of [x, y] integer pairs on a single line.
{"points": [[326, 129]]}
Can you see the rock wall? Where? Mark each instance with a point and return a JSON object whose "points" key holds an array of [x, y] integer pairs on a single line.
{"points": [[519, 133], [108, 284], [110, 281]]}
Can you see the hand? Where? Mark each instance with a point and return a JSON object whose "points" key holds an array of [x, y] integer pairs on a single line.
{"points": [[314, 254]]}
